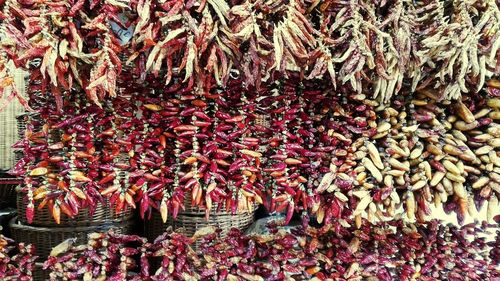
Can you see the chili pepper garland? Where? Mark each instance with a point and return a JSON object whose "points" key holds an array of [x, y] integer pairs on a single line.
{"points": [[406, 164], [368, 50], [377, 46], [366, 159]]}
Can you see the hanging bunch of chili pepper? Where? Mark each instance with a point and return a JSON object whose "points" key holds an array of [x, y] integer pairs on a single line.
{"points": [[74, 154], [291, 161], [368, 46], [286, 183], [345, 122], [76, 47], [463, 68], [251, 175], [117, 136], [416, 153], [184, 39], [215, 191], [34, 165]]}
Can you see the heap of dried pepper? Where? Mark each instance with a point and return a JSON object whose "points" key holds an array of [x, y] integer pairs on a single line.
{"points": [[385, 251]]}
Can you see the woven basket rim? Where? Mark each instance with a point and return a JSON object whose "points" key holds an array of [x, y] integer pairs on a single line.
{"points": [[12, 180], [103, 215], [222, 214], [14, 223], [197, 210]]}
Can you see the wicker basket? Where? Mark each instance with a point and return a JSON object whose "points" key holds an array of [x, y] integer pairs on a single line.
{"points": [[8, 191], [102, 215], [45, 238], [8, 125], [189, 223], [217, 208]]}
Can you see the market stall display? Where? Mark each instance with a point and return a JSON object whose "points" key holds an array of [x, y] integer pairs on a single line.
{"points": [[351, 118]]}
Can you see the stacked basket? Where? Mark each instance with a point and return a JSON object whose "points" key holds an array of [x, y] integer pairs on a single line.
{"points": [[45, 237]]}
